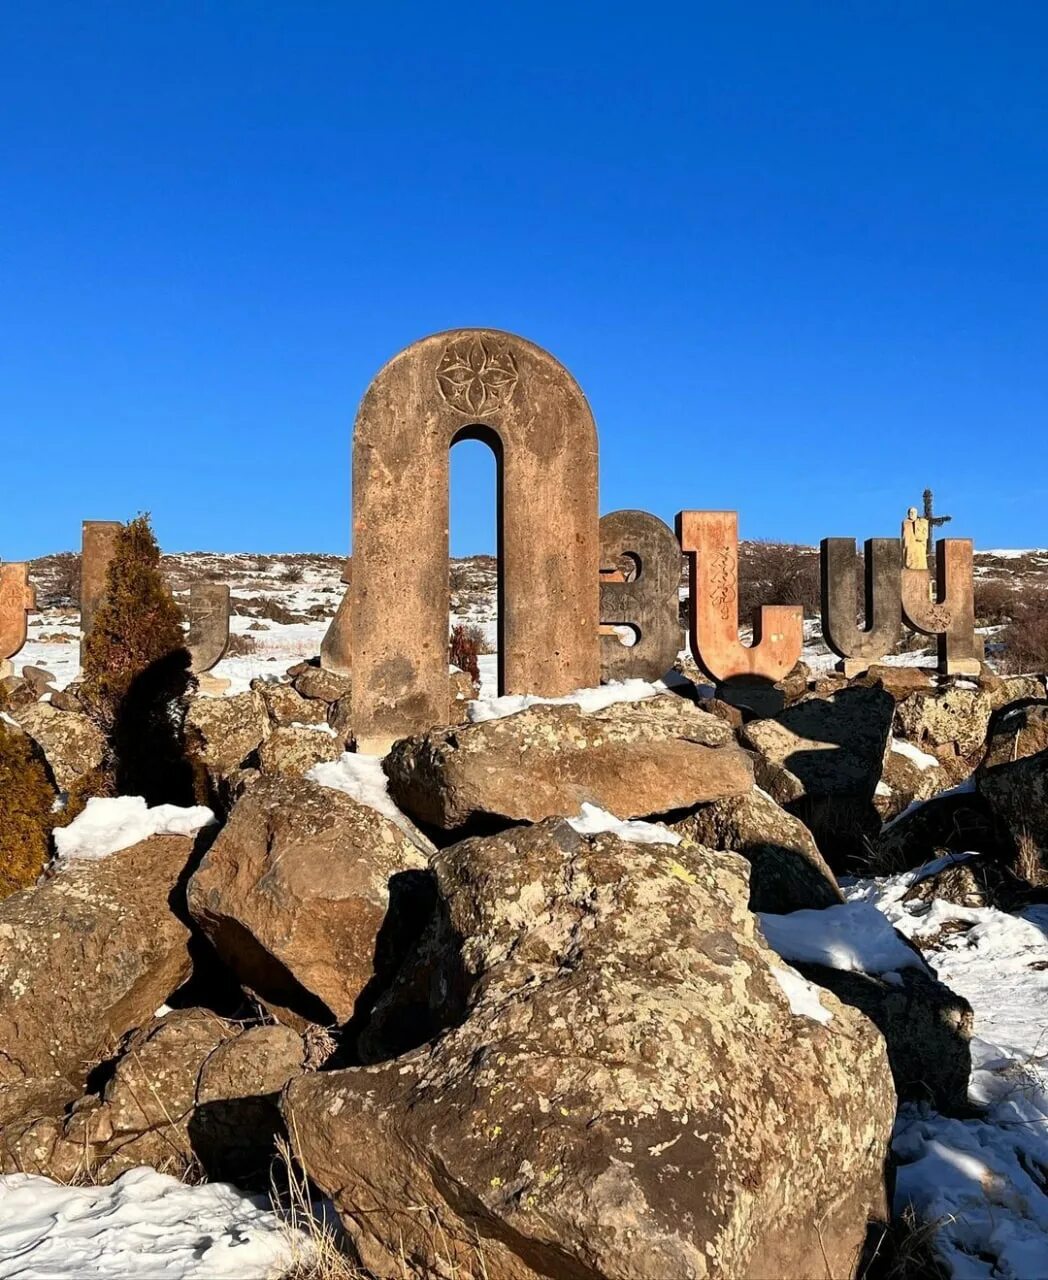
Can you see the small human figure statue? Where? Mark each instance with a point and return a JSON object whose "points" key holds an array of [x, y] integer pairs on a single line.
{"points": [[915, 541]]}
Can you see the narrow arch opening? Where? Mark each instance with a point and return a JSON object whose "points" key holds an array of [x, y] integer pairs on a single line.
{"points": [[475, 541]]}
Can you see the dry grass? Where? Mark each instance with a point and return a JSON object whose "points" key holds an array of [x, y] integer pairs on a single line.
{"points": [[1027, 865], [906, 1251]]}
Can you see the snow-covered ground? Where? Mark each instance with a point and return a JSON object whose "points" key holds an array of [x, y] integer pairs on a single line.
{"points": [[146, 1225]]}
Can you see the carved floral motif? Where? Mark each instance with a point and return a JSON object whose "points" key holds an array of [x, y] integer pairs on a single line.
{"points": [[475, 378]]}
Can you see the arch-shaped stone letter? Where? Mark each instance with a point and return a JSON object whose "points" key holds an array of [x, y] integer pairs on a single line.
{"points": [[711, 540], [492, 386], [98, 542], [17, 598], [860, 647], [208, 637], [648, 602], [951, 615]]}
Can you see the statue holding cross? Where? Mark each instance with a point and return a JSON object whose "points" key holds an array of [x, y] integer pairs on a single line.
{"points": [[933, 522]]}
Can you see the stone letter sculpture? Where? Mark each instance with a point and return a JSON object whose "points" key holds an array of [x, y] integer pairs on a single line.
{"points": [[97, 546], [336, 649], [859, 648], [711, 540], [208, 637], [951, 616], [915, 544], [492, 386], [648, 603], [17, 598]]}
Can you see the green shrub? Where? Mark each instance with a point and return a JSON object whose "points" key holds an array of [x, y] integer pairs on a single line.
{"points": [[136, 673], [26, 797]]}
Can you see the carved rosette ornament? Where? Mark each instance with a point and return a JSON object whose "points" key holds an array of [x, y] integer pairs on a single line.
{"points": [[474, 377]]}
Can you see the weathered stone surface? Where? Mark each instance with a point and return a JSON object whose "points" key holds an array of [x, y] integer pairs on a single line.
{"points": [[286, 706], [223, 732], [623, 1093], [1015, 733], [296, 749], [461, 694], [470, 383], [831, 746], [1006, 689], [951, 616], [17, 598], [648, 602], [822, 759], [787, 872], [899, 681], [38, 677], [903, 782], [208, 637], [1018, 796], [294, 892], [324, 686], [957, 883], [710, 539], [88, 955], [633, 759], [336, 649], [945, 824], [189, 1090], [883, 602], [942, 716], [98, 542], [72, 744], [926, 1027]]}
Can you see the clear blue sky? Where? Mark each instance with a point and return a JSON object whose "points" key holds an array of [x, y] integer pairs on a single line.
{"points": [[796, 254]]}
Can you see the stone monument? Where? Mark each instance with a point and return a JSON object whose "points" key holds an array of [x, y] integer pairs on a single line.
{"points": [[208, 637], [950, 615], [491, 386], [17, 598], [336, 649], [915, 545], [858, 648], [98, 541], [647, 603], [711, 540]]}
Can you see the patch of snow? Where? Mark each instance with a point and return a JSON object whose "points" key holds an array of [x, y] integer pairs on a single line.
{"points": [[980, 1180], [854, 936], [605, 695], [914, 754], [802, 995], [593, 821], [144, 1224], [359, 776], [108, 825]]}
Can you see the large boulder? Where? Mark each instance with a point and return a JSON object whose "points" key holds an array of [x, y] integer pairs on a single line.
{"points": [[223, 732], [1013, 780], [633, 759], [189, 1091], [88, 955], [957, 821], [787, 871], [624, 1089], [71, 744], [285, 705], [298, 748], [295, 893], [953, 715], [822, 759], [1016, 732]]}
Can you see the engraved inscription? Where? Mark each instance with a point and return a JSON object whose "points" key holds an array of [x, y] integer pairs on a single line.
{"points": [[724, 583]]}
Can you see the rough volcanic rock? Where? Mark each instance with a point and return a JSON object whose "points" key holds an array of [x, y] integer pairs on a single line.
{"points": [[1015, 733], [323, 685], [223, 732], [899, 681], [1007, 689], [623, 1091], [955, 822], [295, 893], [296, 749], [787, 872], [926, 1026], [633, 759], [285, 705], [905, 781], [88, 955], [71, 743], [189, 1090], [952, 714]]}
